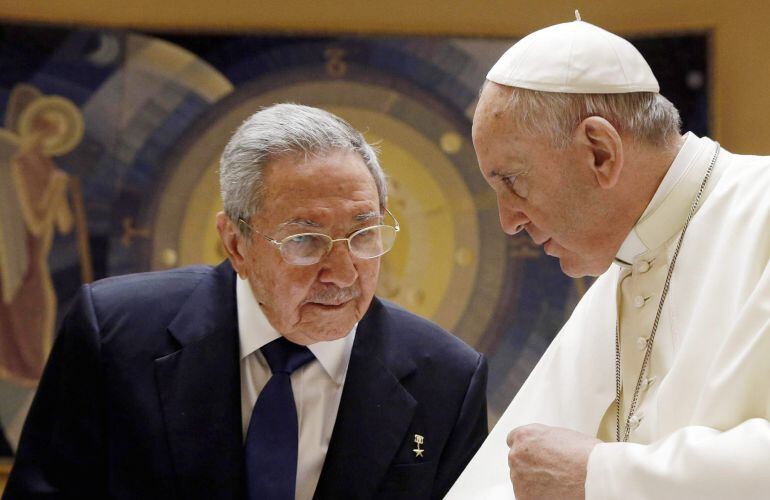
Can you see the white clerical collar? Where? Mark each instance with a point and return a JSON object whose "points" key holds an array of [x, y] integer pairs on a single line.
{"points": [[638, 242], [254, 331]]}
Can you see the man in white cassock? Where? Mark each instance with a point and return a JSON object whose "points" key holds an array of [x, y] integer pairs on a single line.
{"points": [[658, 387]]}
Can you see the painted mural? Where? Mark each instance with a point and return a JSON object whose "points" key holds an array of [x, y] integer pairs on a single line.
{"points": [[109, 151]]}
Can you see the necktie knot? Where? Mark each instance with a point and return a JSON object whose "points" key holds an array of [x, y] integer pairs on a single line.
{"points": [[284, 356]]}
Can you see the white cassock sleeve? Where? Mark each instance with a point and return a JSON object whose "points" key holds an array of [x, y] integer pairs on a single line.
{"points": [[704, 462], [693, 462]]}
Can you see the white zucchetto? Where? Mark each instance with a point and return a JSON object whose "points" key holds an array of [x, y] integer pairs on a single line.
{"points": [[575, 57]]}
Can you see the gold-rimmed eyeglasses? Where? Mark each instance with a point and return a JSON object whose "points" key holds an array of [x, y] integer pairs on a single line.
{"points": [[306, 249]]}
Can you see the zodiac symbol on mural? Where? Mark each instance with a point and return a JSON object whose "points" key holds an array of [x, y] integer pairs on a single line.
{"points": [[335, 64], [36, 199], [130, 232]]}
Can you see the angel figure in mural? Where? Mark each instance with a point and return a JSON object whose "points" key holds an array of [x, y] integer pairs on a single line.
{"points": [[36, 199]]}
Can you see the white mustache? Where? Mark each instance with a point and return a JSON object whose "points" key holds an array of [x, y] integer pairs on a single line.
{"points": [[334, 296]]}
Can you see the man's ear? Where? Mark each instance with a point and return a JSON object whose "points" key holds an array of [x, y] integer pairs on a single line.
{"points": [[606, 149], [232, 242]]}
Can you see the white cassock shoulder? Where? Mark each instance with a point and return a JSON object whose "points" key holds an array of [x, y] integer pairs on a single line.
{"points": [[571, 386]]}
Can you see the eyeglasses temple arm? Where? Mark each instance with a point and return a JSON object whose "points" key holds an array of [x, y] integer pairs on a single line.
{"points": [[268, 238], [396, 225]]}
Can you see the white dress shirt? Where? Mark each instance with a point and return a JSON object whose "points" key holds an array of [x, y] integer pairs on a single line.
{"points": [[317, 386]]}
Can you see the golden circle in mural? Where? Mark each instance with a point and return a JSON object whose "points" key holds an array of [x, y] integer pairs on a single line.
{"points": [[56, 121], [169, 257], [451, 142], [464, 257]]}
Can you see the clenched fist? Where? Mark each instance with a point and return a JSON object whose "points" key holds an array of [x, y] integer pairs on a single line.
{"points": [[548, 462]]}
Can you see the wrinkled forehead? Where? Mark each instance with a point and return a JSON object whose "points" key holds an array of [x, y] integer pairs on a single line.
{"points": [[317, 165], [492, 113], [493, 98], [341, 176]]}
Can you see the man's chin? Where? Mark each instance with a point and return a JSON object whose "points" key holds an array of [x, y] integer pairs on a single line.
{"points": [[573, 274], [575, 268], [311, 336], [324, 323]]}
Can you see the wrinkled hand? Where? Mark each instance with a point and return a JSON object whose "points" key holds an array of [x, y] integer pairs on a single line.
{"points": [[548, 462]]}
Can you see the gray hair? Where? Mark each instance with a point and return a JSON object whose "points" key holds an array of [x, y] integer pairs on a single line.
{"points": [[284, 130], [646, 116]]}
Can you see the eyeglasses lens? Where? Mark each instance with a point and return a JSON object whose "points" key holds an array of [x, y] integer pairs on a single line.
{"points": [[372, 242], [304, 249], [309, 248]]}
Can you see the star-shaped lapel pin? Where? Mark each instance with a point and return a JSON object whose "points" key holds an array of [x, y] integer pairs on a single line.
{"points": [[419, 440]]}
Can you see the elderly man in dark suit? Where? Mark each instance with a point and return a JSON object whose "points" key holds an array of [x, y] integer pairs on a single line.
{"points": [[277, 374]]}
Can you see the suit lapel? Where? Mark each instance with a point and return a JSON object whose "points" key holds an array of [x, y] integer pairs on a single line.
{"points": [[374, 414], [199, 388]]}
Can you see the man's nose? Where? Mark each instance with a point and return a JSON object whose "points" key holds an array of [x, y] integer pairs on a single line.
{"points": [[512, 220], [338, 267]]}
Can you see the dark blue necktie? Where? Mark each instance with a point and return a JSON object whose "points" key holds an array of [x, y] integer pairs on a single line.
{"points": [[272, 438]]}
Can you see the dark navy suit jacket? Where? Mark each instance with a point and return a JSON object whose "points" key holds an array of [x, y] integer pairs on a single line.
{"points": [[141, 399]]}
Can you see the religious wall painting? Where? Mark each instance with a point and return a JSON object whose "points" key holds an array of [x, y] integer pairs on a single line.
{"points": [[38, 200]]}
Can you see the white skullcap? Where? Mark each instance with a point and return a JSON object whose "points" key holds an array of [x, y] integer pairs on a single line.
{"points": [[575, 57]]}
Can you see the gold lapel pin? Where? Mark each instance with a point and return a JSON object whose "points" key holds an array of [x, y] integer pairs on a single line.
{"points": [[419, 440]]}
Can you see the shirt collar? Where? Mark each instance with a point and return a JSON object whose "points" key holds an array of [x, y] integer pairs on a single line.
{"points": [[254, 331], [667, 211]]}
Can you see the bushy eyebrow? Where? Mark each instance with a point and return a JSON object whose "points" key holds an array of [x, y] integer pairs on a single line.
{"points": [[514, 165], [367, 216], [494, 174], [299, 221]]}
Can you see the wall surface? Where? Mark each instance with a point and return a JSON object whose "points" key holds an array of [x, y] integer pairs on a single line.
{"points": [[740, 42]]}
